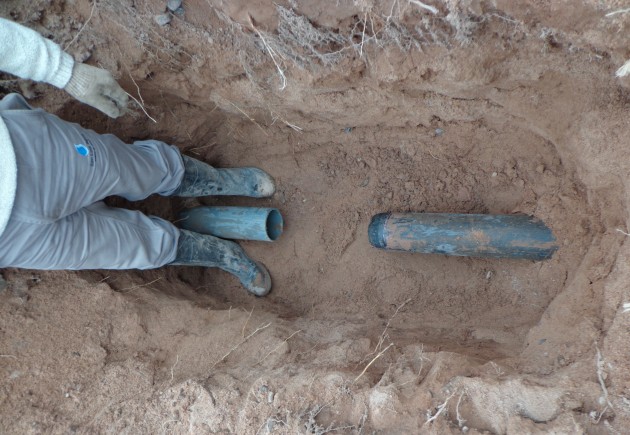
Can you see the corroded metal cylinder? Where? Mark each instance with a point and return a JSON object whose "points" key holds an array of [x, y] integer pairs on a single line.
{"points": [[471, 235]]}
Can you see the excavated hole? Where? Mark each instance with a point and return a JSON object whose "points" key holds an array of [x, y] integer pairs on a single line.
{"points": [[330, 183]]}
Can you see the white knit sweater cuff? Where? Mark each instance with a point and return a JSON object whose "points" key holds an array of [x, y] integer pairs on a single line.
{"points": [[64, 72]]}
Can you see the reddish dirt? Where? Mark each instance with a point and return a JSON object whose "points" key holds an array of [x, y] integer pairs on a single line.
{"points": [[512, 108]]}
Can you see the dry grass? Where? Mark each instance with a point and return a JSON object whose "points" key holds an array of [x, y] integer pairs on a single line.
{"points": [[298, 41], [302, 43]]}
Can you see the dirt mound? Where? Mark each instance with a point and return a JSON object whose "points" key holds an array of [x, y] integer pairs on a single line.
{"points": [[356, 108]]}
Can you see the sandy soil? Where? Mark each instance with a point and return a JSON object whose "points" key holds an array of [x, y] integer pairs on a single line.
{"points": [[355, 108]]}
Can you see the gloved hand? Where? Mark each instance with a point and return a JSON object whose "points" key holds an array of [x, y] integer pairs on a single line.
{"points": [[97, 88]]}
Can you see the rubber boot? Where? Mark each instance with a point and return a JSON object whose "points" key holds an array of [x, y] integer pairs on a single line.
{"points": [[201, 179], [194, 249]]}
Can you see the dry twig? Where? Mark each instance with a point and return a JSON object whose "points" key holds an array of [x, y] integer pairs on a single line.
{"points": [[363, 36], [619, 11], [140, 105], [271, 54], [440, 410], [246, 322], [600, 378], [383, 334], [415, 378], [429, 8], [460, 421], [173, 368], [275, 117], [250, 118], [140, 102], [260, 328], [128, 289], [278, 346], [372, 362], [82, 27]]}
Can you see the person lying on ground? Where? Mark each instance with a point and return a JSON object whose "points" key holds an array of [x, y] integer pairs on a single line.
{"points": [[55, 174]]}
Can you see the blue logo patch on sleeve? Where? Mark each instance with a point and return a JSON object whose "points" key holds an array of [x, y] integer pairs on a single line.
{"points": [[82, 149]]}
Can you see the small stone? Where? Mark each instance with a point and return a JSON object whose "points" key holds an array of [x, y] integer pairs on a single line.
{"points": [[263, 389], [347, 130], [179, 11], [365, 182], [173, 5], [163, 19], [439, 132], [494, 174], [270, 397], [540, 168]]}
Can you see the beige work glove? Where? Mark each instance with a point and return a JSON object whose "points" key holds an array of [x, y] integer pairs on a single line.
{"points": [[97, 88]]}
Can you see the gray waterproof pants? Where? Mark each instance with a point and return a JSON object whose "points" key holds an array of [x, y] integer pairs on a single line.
{"points": [[64, 172]]}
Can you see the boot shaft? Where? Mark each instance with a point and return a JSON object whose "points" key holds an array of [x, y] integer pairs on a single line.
{"points": [[194, 249], [201, 179]]}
